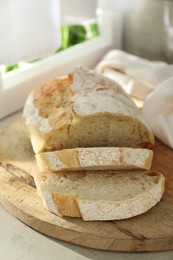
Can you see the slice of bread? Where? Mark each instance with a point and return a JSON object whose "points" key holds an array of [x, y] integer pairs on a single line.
{"points": [[106, 196], [84, 109], [95, 158]]}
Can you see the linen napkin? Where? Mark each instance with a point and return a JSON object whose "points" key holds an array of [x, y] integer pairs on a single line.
{"points": [[147, 80]]}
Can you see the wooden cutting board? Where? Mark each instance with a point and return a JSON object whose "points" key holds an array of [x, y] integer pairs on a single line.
{"points": [[151, 231]]}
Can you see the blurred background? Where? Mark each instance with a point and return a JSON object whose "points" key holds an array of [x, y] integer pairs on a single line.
{"points": [[61, 34]]}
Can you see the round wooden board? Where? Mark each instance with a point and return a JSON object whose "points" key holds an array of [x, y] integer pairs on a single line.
{"points": [[151, 231]]}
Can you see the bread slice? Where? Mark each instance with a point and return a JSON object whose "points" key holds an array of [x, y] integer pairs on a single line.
{"points": [[106, 196], [97, 158], [84, 109]]}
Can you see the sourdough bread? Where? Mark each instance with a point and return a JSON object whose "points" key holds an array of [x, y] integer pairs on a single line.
{"points": [[97, 158], [95, 196], [84, 109]]}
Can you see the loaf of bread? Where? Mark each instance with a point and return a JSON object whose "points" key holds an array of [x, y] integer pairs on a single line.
{"points": [[84, 109], [106, 196], [89, 139], [95, 158]]}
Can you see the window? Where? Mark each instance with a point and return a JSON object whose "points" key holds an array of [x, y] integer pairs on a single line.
{"points": [[16, 85]]}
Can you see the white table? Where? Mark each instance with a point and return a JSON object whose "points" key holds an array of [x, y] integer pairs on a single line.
{"points": [[20, 242]]}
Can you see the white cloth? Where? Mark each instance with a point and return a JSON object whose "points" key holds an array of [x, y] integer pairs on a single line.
{"points": [[158, 109], [146, 80]]}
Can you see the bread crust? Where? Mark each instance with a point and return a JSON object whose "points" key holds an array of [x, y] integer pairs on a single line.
{"points": [[95, 158]]}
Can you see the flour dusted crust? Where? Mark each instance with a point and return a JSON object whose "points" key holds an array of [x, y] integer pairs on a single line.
{"points": [[107, 196], [95, 94], [95, 158], [84, 109]]}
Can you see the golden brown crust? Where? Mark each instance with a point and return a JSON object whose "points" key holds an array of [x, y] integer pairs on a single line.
{"points": [[66, 205], [70, 157], [52, 101]]}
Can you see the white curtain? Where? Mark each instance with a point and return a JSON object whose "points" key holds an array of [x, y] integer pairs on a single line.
{"points": [[29, 29]]}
